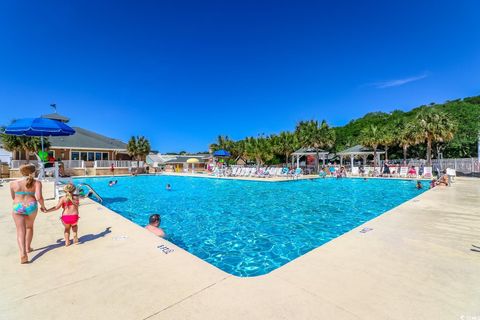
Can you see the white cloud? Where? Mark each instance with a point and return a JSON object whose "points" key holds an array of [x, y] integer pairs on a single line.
{"points": [[398, 82]]}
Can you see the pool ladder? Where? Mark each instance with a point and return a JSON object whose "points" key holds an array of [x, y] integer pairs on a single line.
{"points": [[92, 190], [59, 189]]}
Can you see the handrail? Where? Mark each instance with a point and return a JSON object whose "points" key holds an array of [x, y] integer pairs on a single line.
{"points": [[92, 190]]}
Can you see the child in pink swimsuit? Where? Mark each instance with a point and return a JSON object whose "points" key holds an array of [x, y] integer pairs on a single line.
{"points": [[69, 202]]}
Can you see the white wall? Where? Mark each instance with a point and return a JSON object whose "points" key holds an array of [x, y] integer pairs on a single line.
{"points": [[5, 156]]}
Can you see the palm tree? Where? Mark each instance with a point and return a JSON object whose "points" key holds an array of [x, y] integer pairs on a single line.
{"points": [[406, 136], [258, 149], [372, 136], [311, 134], [434, 126], [285, 144], [237, 150], [22, 143], [387, 139], [138, 148], [223, 142]]}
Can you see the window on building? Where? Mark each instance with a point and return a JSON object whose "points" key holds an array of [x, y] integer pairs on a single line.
{"points": [[83, 156], [75, 155], [91, 156], [98, 156], [105, 156]]}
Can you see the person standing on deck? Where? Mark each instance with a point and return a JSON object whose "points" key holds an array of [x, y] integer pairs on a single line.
{"points": [[26, 195]]}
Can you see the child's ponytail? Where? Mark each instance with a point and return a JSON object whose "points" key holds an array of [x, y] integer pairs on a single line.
{"points": [[69, 189]]}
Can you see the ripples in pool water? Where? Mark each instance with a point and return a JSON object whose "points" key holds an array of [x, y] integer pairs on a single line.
{"points": [[250, 228]]}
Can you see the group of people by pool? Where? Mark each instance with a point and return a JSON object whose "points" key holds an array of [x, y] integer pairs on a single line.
{"points": [[332, 171], [28, 198]]}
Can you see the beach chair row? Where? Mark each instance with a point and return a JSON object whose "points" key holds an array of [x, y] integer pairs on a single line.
{"points": [[400, 172], [262, 172]]}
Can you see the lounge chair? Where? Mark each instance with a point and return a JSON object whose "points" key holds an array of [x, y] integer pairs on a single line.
{"points": [[277, 171], [297, 173], [368, 171], [403, 172], [355, 171], [411, 175], [427, 172], [241, 172], [451, 173]]}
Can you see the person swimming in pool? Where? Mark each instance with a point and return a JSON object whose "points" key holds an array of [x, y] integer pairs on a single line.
{"points": [[168, 187], [112, 183], [419, 185], [154, 225]]}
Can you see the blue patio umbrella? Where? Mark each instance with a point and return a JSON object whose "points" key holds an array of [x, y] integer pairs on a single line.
{"points": [[38, 127], [221, 153]]}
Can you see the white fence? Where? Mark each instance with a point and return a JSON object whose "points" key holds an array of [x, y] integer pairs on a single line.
{"points": [[117, 164], [18, 163], [464, 165], [468, 165], [67, 164], [71, 164]]}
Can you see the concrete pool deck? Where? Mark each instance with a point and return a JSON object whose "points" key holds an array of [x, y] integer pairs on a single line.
{"points": [[415, 263]]}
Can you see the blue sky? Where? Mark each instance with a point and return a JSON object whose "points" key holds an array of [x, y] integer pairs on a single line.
{"points": [[182, 72]]}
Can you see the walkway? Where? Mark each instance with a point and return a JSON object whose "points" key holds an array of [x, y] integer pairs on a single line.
{"points": [[416, 263]]}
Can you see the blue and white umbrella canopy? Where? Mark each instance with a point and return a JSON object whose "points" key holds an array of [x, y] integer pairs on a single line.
{"points": [[221, 153], [38, 127]]}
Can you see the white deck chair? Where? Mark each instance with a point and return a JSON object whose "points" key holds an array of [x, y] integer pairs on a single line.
{"points": [[403, 172], [281, 172], [262, 172], [368, 170], [277, 171], [355, 171], [451, 173], [242, 172], [427, 172], [234, 172]]}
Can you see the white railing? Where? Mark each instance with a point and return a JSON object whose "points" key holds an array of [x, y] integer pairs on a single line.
{"points": [[117, 164], [18, 163], [66, 163], [71, 164], [138, 164], [464, 165], [468, 165]]}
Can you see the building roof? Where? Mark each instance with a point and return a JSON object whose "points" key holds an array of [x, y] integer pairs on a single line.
{"points": [[86, 139], [177, 158], [308, 151], [55, 116], [159, 158], [358, 149], [184, 158]]}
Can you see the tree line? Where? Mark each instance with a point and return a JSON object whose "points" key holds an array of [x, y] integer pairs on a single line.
{"points": [[450, 129]]}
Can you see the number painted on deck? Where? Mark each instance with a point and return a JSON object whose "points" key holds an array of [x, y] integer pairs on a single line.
{"points": [[165, 249]]}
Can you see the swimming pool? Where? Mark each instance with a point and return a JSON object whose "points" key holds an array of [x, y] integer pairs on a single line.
{"points": [[250, 228]]}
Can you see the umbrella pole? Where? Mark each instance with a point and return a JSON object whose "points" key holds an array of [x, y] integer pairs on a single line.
{"points": [[42, 142]]}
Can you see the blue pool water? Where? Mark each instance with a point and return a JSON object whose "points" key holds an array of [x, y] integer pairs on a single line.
{"points": [[250, 228]]}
